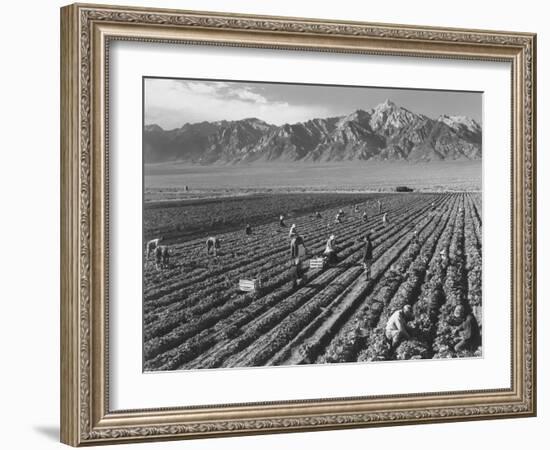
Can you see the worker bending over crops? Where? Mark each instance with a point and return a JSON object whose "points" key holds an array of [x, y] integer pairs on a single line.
{"points": [[165, 257], [296, 273], [397, 328], [365, 216], [248, 229], [151, 246], [212, 244], [330, 250], [318, 215], [468, 336], [158, 257], [162, 257], [296, 243], [282, 221], [339, 216], [367, 256]]}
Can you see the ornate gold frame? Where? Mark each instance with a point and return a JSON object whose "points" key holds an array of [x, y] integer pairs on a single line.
{"points": [[86, 31]]}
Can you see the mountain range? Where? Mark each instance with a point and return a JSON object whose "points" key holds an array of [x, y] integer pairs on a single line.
{"points": [[387, 132]]}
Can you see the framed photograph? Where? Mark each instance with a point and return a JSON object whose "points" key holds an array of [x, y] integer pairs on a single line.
{"points": [[274, 224]]}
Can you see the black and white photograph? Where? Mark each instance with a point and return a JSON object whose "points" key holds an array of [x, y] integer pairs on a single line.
{"points": [[288, 224]]}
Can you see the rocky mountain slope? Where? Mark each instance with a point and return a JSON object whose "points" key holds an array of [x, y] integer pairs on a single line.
{"points": [[385, 133]]}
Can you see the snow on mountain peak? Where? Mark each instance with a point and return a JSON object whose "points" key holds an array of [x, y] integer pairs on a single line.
{"points": [[456, 122], [389, 114], [386, 104]]}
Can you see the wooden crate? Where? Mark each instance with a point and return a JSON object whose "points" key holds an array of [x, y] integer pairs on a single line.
{"points": [[317, 263], [249, 285]]}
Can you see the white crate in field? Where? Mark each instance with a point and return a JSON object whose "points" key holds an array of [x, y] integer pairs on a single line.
{"points": [[317, 263], [249, 285]]}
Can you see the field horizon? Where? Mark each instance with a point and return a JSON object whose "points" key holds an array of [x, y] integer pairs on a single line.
{"points": [[299, 177]]}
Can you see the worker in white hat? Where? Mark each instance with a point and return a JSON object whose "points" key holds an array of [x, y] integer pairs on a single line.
{"points": [[292, 233], [330, 250]]}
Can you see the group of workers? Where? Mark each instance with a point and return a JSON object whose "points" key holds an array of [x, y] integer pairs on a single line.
{"points": [[466, 333], [340, 215], [159, 253], [330, 255]]}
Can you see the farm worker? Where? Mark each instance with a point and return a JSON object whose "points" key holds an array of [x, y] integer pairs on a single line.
{"points": [[367, 256], [152, 245], [248, 229], [432, 206], [186, 188], [318, 215], [339, 216], [292, 231], [158, 257], [356, 208], [468, 330], [282, 221], [330, 250], [295, 244], [396, 327], [296, 273], [385, 219], [165, 255], [365, 216], [212, 243], [379, 206]]}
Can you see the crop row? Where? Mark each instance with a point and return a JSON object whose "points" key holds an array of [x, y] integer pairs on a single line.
{"points": [[432, 296], [362, 337]]}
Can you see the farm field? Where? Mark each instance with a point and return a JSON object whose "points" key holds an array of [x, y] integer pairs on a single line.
{"points": [[195, 316], [184, 219]]}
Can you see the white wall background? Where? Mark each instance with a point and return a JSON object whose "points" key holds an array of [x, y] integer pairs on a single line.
{"points": [[29, 178]]}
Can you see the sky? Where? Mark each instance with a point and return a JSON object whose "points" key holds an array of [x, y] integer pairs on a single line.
{"points": [[170, 103]]}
